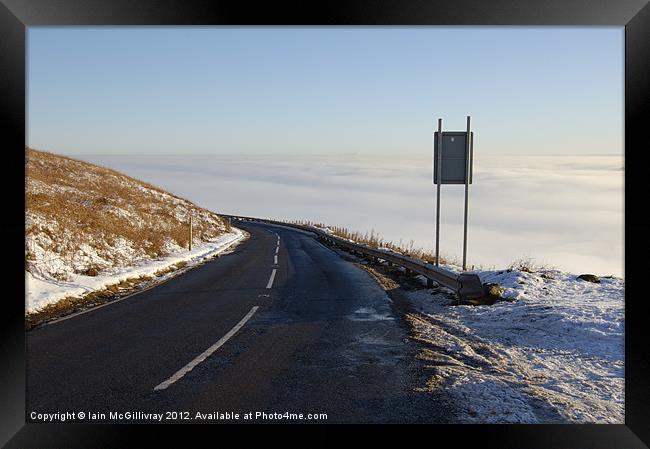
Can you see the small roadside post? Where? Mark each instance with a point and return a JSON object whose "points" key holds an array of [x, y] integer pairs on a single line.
{"points": [[453, 154], [190, 241]]}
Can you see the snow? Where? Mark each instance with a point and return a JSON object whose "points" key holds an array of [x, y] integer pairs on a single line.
{"points": [[41, 292], [369, 314], [553, 352]]}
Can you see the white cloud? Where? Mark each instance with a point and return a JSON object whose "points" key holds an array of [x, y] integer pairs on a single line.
{"points": [[565, 211]]}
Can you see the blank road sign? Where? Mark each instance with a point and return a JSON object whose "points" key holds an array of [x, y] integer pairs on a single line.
{"points": [[453, 157]]}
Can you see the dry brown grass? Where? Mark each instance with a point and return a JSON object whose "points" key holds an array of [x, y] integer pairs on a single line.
{"points": [[72, 304], [170, 269], [528, 265], [374, 240], [71, 203]]}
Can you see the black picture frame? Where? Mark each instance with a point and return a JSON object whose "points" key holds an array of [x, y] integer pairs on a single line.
{"points": [[634, 15]]}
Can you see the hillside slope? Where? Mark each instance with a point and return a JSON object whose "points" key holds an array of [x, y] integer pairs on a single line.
{"points": [[85, 221]]}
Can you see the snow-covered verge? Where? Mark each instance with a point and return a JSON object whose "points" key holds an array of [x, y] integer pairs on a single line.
{"points": [[40, 293], [554, 352]]}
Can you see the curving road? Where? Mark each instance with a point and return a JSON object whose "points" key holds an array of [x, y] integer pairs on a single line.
{"points": [[282, 324]]}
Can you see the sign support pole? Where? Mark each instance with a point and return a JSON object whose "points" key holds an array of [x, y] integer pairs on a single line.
{"points": [[439, 183], [468, 145]]}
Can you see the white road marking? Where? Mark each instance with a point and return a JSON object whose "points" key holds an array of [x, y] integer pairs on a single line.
{"points": [[277, 248], [207, 353], [275, 259], [270, 284]]}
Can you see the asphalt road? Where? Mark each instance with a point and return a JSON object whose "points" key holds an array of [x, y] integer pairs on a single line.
{"points": [[306, 332]]}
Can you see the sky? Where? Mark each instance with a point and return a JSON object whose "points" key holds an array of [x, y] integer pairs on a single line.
{"points": [[323, 90], [335, 125]]}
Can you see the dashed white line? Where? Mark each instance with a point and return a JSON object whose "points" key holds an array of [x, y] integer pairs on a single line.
{"points": [[275, 259], [277, 248], [270, 284], [207, 353]]}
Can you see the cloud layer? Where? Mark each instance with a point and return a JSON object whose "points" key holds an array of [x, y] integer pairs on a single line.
{"points": [[563, 211]]}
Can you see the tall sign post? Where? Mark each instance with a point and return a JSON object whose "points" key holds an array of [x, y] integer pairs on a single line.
{"points": [[438, 176], [468, 164], [453, 154]]}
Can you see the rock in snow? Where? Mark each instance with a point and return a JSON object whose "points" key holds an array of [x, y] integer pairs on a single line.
{"points": [[589, 278]]}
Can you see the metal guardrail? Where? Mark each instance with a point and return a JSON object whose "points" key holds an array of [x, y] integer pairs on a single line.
{"points": [[466, 285]]}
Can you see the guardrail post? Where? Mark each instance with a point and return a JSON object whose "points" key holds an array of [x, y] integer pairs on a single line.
{"points": [[470, 286]]}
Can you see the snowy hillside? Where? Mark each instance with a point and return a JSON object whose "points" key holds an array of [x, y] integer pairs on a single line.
{"points": [[553, 352], [88, 227]]}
